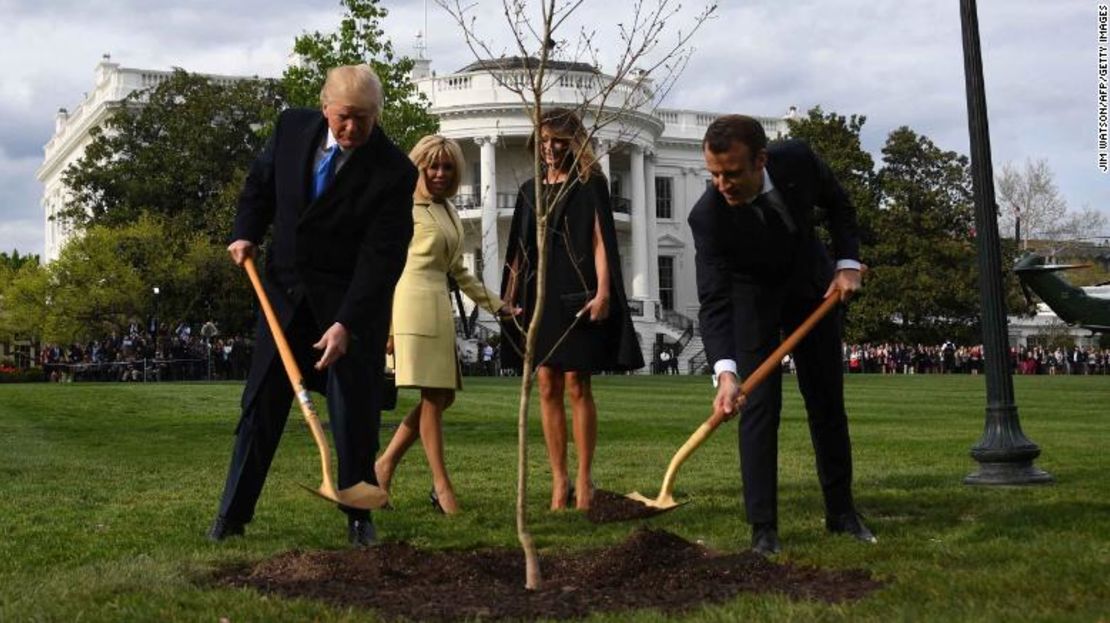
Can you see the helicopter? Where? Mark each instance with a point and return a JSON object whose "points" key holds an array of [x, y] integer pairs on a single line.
{"points": [[1071, 304]]}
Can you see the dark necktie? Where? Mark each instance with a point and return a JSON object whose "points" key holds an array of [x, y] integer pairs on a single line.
{"points": [[772, 202], [325, 171]]}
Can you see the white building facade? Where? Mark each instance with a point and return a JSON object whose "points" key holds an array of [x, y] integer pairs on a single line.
{"points": [[651, 156], [71, 137]]}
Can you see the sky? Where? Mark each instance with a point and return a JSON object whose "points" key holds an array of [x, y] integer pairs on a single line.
{"points": [[897, 63]]}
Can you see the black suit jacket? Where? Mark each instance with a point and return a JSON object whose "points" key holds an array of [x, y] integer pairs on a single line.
{"points": [[747, 268], [342, 253]]}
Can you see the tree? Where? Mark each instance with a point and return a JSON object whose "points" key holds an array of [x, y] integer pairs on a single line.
{"points": [[836, 139], [645, 68], [172, 150], [104, 280], [360, 39], [925, 288], [1030, 205], [22, 300], [916, 233], [922, 286], [15, 261], [14, 270]]}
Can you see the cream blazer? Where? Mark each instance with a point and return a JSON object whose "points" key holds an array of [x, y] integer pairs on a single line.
{"points": [[423, 318]]}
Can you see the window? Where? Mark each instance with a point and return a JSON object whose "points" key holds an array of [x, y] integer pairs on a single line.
{"points": [[666, 282], [664, 198]]}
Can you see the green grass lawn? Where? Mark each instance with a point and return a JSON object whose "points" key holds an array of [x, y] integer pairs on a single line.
{"points": [[106, 492]]}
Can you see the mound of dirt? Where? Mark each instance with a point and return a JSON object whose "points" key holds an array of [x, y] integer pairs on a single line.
{"points": [[608, 507], [651, 569]]}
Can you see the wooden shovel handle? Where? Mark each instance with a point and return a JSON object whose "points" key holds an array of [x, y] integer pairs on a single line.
{"points": [[282, 344], [771, 363], [294, 373]]}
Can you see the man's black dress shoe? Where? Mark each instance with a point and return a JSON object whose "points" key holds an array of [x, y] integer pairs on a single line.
{"points": [[765, 539], [361, 532], [223, 528], [849, 523]]}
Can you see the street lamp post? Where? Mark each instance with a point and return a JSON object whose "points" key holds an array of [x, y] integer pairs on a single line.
{"points": [[1004, 453]]}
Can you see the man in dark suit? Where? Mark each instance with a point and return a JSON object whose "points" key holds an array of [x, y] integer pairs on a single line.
{"points": [[338, 195], [761, 269]]}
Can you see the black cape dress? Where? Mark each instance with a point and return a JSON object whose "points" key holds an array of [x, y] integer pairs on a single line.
{"points": [[565, 341]]}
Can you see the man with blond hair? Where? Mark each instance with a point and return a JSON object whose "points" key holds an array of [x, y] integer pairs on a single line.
{"points": [[336, 195]]}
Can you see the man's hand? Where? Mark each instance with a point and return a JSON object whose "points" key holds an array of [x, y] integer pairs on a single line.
{"points": [[240, 250], [334, 344], [508, 311], [846, 282], [729, 400]]}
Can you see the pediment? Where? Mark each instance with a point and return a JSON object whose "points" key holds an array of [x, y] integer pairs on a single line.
{"points": [[667, 240]]}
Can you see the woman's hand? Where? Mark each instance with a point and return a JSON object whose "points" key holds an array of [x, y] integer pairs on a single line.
{"points": [[597, 308], [508, 311], [389, 345]]}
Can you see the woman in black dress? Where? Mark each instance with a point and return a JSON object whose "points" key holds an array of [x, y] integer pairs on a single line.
{"points": [[585, 326]]}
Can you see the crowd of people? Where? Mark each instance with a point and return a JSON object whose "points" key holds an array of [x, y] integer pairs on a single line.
{"points": [[178, 356], [949, 358], [140, 355]]}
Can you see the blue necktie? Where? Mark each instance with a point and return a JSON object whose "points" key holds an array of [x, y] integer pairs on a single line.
{"points": [[325, 171]]}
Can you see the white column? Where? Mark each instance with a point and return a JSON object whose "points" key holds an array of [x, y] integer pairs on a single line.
{"points": [[691, 191], [640, 276], [48, 254], [685, 286], [604, 147], [491, 271], [652, 238]]}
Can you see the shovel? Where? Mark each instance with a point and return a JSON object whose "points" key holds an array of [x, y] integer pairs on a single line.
{"points": [[665, 501], [362, 495]]}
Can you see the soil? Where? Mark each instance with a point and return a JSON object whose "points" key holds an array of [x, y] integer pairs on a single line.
{"points": [[651, 569], [609, 507]]}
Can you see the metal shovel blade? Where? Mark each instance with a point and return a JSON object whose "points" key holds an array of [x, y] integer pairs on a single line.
{"points": [[363, 495], [663, 502]]}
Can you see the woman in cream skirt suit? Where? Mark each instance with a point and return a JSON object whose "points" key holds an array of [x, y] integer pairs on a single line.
{"points": [[422, 339]]}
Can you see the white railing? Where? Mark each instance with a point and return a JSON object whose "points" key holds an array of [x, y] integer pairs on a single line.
{"points": [[692, 123], [583, 83], [453, 83]]}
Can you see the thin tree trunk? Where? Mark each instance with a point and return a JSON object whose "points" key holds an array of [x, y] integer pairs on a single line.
{"points": [[532, 576], [639, 38]]}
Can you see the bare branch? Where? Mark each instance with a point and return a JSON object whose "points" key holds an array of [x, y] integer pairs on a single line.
{"points": [[612, 106]]}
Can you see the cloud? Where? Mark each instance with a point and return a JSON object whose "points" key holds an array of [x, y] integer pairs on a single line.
{"points": [[898, 63], [21, 226]]}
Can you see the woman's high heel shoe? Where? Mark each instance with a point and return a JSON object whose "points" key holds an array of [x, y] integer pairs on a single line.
{"points": [[435, 502]]}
